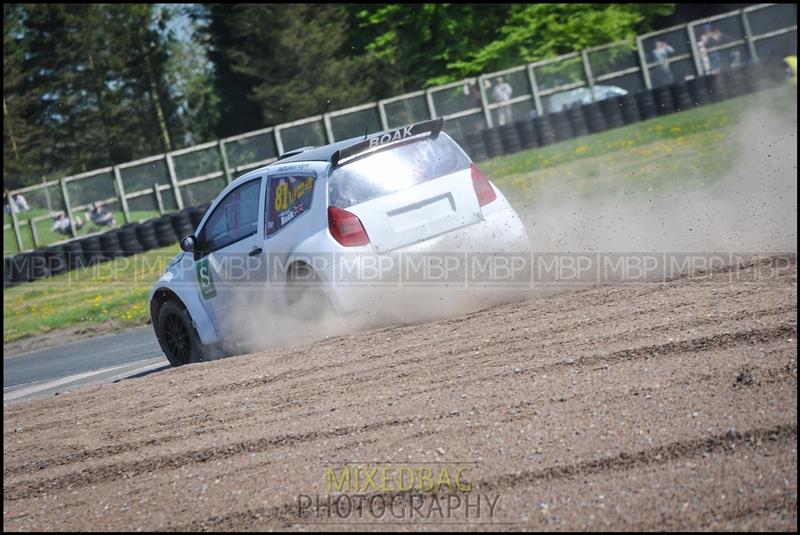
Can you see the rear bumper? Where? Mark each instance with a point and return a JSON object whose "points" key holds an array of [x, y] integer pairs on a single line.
{"points": [[362, 280]]}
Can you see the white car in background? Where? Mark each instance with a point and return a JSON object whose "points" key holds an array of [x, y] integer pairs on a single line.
{"points": [[582, 95], [300, 219]]}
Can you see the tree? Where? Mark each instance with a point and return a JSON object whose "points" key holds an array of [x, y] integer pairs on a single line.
{"points": [[280, 62], [537, 31]]}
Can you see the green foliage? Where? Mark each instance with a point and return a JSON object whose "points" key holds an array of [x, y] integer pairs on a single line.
{"points": [[537, 31]]}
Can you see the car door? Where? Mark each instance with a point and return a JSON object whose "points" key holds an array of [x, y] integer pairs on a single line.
{"points": [[231, 246], [291, 216]]}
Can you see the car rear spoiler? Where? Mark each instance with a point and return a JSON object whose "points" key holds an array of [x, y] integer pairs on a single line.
{"points": [[377, 140]]}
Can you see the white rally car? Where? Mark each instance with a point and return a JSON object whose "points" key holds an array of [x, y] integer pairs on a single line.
{"points": [[303, 217]]}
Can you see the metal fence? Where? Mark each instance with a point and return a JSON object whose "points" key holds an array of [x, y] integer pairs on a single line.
{"points": [[152, 186]]}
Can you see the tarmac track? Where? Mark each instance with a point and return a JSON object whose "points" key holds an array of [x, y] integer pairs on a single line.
{"points": [[643, 406]]}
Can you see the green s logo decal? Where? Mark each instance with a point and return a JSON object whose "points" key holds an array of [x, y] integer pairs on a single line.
{"points": [[204, 279]]}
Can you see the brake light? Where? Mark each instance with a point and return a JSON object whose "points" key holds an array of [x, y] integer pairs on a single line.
{"points": [[483, 188], [346, 228]]}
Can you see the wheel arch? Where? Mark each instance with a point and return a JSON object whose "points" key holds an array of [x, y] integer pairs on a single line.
{"points": [[200, 318]]}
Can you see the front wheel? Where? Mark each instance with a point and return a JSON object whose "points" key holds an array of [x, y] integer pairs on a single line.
{"points": [[177, 336]]}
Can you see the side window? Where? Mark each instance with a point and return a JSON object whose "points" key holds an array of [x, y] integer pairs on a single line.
{"points": [[234, 218], [288, 197]]}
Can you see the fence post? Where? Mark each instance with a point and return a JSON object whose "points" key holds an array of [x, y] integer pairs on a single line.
{"points": [[34, 233], [537, 100], [121, 192], [487, 113], [648, 83], [225, 166], [748, 34], [326, 120], [14, 222], [429, 100], [382, 115], [176, 189], [698, 65], [587, 71], [278, 140], [159, 202], [65, 195]]}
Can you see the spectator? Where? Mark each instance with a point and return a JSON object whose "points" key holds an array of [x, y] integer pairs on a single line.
{"points": [[100, 216], [502, 93], [474, 95], [7, 208], [661, 54], [21, 203], [62, 224], [709, 39]]}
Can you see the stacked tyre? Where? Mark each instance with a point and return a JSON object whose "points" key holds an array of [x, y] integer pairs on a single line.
{"points": [[20, 268], [647, 104], [38, 264], [493, 143], [475, 145], [8, 266], [594, 117], [129, 241], [527, 134], [680, 96], [92, 251], [544, 130], [510, 138], [561, 126], [165, 233], [56, 263], [664, 104], [196, 213], [182, 223], [578, 121], [110, 245], [698, 91], [716, 88], [612, 112], [146, 234], [630, 110], [74, 253]]}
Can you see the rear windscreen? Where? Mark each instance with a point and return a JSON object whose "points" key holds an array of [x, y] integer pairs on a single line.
{"points": [[395, 168]]}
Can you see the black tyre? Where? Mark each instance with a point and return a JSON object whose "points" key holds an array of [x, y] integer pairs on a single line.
{"points": [[527, 134], [698, 91], [594, 117], [664, 103], [681, 96], [165, 233], [716, 88], [494, 145], [578, 121], [129, 241], [510, 138], [475, 146], [176, 335], [110, 245], [561, 126], [92, 251], [630, 110], [56, 263], [74, 253], [647, 104], [612, 111], [544, 130]]}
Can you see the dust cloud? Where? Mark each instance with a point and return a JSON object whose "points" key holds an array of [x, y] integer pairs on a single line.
{"points": [[752, 208]]}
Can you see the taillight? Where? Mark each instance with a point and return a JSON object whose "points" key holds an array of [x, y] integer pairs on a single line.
{"points": [[483, 189], [346, 228]]}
